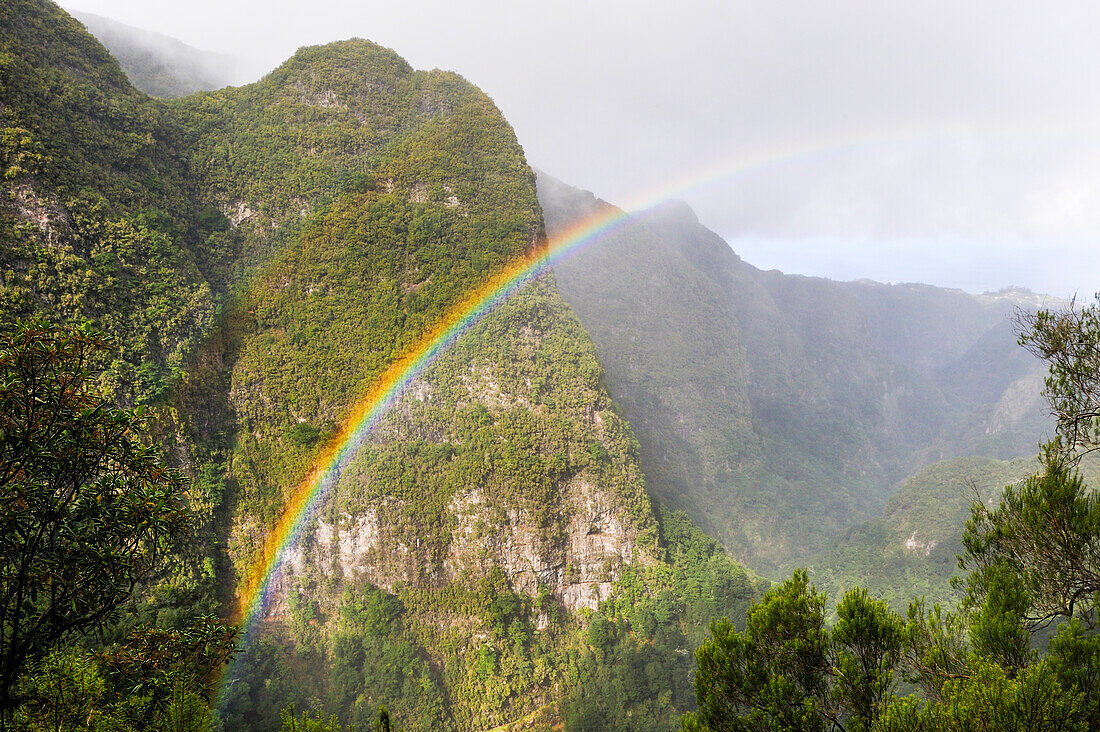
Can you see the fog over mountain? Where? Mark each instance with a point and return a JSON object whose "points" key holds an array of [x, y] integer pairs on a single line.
{"points": [[778, 410], [161, 65], [937, 142]]}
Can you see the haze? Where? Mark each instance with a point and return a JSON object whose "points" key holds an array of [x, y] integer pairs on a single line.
{"points": [[944, 142]]}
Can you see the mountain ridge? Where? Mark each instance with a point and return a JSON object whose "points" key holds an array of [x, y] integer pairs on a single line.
{"points": [[259, 255], [810, 396], [161, 65]]}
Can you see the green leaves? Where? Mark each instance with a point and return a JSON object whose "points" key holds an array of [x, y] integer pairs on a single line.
{"points": [[787, 670], [85, 508], [1069, 340], [1045, 534]]}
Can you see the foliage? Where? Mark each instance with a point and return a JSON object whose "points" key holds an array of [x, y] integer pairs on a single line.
{"points": [[912, 548], [1044, 537], [86, 508], [787, 670], [316, 723], [308, 722], [633, 673], [1032, 560], [991, 698], [1069, 340], [159, 680], [258, 256], [154, 661]]}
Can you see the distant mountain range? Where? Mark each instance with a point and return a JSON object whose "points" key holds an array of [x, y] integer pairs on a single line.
{"points": [[777, 409]]}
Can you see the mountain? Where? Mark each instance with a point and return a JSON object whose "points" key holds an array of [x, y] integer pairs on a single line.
{"points": [[966, 346], [258, 256], [160, 65], [778, 410], [911, 550]]}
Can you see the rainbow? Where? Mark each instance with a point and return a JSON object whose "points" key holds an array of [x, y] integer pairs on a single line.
{"points": [[256, 586], [365, 414], [387, 389]]}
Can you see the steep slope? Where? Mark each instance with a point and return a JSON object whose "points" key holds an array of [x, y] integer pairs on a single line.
{"points": [[966, 346], [776, 409], [100, 223], [260, 255], [912, 549], [160, 65], [97, 208]]}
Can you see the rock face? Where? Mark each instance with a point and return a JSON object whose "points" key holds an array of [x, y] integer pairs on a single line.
{"points": [[551, 496], [578, 568], [917, 546], [1020, 400]]}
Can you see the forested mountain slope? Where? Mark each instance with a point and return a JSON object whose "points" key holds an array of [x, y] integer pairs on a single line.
{"points": [[259, 255], [778, 410]]}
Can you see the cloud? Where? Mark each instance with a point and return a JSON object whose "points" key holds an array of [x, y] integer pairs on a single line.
{"points": [[961, 121]]}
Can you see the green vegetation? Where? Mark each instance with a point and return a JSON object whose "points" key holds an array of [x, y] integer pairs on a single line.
{"points": [[88, 511], [974, 668], [787, 670], [634, 673], [912, 548], [1031, 561], [1069, 340], [779, 411], [454, 658], [255, 258]]}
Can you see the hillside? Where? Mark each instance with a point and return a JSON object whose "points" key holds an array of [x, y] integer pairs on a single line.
{"points": [[259, 255], [160, 65], [911, 550], [778, 410]]}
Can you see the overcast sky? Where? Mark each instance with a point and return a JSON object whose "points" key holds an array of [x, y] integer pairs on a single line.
{"points": [[954, 143]]}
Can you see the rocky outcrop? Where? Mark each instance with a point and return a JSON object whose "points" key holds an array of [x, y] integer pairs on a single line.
{"points": [[1023, 397], [917, 546], [579, 566]]}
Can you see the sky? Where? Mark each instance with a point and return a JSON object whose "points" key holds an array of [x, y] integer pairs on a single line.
{"points": [[953, 143]]}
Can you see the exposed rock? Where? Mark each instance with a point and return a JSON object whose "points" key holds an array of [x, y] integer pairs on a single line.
{"points": [[239, 213], [43, 212], [1017, 401], [579, 566], [915, 545]]}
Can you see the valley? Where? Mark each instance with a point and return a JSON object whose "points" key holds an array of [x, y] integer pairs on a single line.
{"points": [[417, 496]]}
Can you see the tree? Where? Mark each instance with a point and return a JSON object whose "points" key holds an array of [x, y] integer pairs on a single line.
{"points": [[1045, 533], [788, 671], [1032, 560], [158, 680], [86, 509], [1069, 340]]}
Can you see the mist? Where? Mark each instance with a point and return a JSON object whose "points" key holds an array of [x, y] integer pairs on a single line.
{"points": [[941, 142]]}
